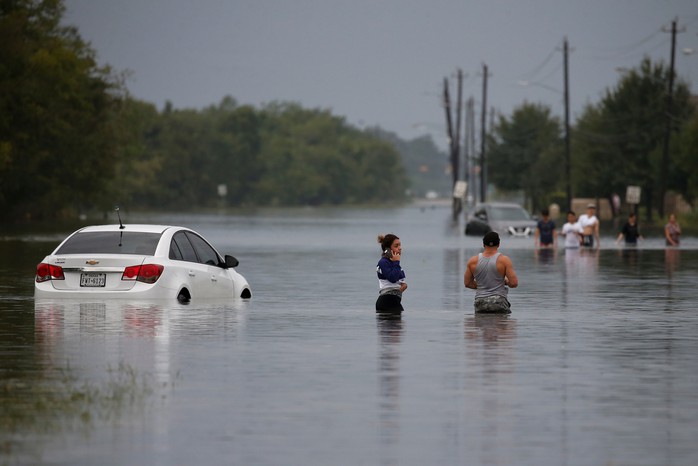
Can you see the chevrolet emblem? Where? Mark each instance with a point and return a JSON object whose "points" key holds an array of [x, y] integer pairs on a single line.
{"points": [[92, 262]]}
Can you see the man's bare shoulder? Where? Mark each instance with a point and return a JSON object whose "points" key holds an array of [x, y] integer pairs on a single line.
{"points": [[504, 259]]}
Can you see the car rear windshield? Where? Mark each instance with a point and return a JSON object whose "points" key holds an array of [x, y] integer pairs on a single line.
{"points": [[111, 242], [509, 213]]}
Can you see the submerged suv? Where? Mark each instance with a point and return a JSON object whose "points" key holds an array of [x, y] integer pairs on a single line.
{"points": [[504, 218]]}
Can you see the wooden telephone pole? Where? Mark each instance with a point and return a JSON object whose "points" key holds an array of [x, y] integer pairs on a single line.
{"points": [[454, 138], [667, 127], [483, 137], [568, 159]]}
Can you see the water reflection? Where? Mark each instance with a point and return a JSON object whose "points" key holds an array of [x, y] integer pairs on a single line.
{"points": [[453, 268], [59, 318], [629, 255], [672, 260], [154, 319], [143, 328], [490, 328], [390, 334], [545, 255], [587, 261], [672, 263], [580, 272], [491, 337]]}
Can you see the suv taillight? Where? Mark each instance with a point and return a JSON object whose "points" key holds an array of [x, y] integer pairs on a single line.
{"points": [[146, 273], [46, 272]]}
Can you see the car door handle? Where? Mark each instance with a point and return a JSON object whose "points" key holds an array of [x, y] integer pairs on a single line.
{"points": [[214, 278], [192, 273]]}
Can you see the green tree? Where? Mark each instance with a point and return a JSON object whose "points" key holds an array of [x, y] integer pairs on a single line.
{"points": [[235, 149], [311, 157], [684, 176], [56, 104], [424, 163], [525, 153], [137, 169], [617, 141], [180, 146]]}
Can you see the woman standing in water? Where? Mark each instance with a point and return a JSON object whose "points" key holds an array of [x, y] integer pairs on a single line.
{"points": [[672, 231], [391, 277]]}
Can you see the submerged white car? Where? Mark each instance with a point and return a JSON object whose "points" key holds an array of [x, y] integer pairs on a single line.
{"points": [[138, 261]]}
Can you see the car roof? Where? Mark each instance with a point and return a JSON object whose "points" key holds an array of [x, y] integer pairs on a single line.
{"points": [[129, 227], [500, 204]]}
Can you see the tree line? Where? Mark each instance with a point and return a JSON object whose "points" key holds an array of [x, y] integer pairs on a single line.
{"points": [[279, 155], [72, 140]]}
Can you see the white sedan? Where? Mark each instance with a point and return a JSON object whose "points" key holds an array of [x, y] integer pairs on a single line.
{"points": [[138, 261]]}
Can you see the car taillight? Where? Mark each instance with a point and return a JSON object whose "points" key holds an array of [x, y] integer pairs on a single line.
{"points": [[146, 273], [46, 272], [131, 273]]}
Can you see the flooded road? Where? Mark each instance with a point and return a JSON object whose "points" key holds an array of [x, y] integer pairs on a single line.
{"points": [[596, 364]]}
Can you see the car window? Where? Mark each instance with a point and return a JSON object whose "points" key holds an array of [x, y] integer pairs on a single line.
{"points": [[111, 242], [175, 253], [207, 255], [185, 248], [509, 213]]}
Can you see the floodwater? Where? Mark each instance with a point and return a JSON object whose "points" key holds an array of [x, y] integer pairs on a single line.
{"points": [[596, 365]]}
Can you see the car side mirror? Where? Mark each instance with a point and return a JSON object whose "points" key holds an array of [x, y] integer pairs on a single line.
{"points": [[231, 262]]}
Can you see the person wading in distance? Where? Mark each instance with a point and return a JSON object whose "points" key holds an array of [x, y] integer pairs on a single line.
{"points": [[491, 274]]}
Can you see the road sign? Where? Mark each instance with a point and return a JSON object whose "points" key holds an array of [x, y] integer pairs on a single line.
{"points": [[632, 195], [460, 189]]}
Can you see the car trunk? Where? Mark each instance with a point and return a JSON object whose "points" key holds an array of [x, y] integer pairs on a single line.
{"points": [[83, 272]]}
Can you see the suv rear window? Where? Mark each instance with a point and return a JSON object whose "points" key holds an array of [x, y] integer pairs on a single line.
{"points": [[111, 242]]}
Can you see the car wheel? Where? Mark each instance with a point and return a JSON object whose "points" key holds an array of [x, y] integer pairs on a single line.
{"points": [[183, 296]]}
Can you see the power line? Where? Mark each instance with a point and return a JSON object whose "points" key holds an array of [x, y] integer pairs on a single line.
{"points": [[531, 74], [624, 50]]}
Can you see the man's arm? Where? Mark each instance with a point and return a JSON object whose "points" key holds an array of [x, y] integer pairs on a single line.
{"points": [[510, 277], [596, 233], [469, 276]]}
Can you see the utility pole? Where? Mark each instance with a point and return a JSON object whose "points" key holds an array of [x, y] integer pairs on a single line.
{"points": [[667, 128], [454, 138], [469, 143], [455, 157], [449, 129], [449, 123], [568, 162], [483, 133]]}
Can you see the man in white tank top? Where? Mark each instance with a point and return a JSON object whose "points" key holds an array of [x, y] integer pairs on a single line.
{"points": [[490, 274], [590, 224]]}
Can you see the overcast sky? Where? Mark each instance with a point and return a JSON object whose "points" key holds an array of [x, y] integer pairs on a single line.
{"points": [[381, 62]]}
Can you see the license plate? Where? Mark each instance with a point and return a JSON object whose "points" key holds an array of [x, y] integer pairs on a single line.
{"points": [[93, 279]]}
